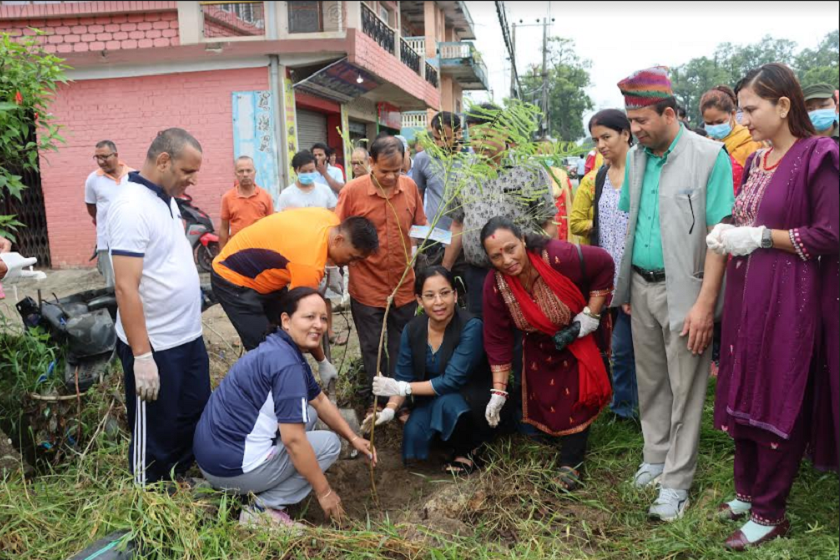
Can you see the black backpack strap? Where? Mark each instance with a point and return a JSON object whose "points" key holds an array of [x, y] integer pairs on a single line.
{"points": [[600, 181], [585, 280]]}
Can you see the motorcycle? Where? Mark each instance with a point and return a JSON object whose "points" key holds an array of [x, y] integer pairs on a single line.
{"points": [[84, 323], [200, 233]]}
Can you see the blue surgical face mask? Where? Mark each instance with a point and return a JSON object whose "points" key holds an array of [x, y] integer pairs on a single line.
{"points": [[549, 162], [719, 131], [308, 178], [823, 119]]}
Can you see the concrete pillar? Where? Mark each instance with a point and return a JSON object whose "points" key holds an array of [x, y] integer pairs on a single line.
{"points": [[430, 22], [190, 23]]}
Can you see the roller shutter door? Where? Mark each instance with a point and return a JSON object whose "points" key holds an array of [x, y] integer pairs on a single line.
{"points": [[312, 128]]}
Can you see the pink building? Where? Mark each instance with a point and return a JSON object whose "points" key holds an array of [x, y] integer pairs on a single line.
{"points": [[258, 78]]}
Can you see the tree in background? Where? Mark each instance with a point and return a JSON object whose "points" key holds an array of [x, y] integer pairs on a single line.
{"points": [[28, 79], [568, 78], [731, 62]]}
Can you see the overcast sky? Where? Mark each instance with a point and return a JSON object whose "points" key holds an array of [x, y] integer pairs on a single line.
{"points": [[621, 37]]}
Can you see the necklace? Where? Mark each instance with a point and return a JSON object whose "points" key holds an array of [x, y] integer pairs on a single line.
{"points": [[770, 167]]}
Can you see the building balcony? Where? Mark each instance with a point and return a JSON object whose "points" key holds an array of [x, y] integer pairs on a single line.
{"points": [[461, 61]]}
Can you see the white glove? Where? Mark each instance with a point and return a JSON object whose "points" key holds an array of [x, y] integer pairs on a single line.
{"points": [[714, 240], [327, 373], [588, 325], [334, 280], [742, 241], [15, 264], [146, 377], [497, 401], [388, 387], [386, 415]]}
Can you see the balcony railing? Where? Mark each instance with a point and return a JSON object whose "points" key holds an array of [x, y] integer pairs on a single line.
{"points": [[460, 52], [414, 119], [378, 30], [418, 44], [409, 56], [431, 75], [460, 49]]}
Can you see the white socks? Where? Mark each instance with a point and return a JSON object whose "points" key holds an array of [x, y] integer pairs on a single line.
{"points": [[738, 507], [753, 531]]}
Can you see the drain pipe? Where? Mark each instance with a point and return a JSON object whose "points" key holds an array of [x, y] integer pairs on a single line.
{"points": [[275, 79]]}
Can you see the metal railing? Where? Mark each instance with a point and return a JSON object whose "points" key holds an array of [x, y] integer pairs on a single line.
{"points": [[409, 56], [418, 44], [431, 75], [414, 119], [378, 30]]}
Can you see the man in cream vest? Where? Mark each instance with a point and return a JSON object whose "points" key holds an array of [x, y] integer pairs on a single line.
{"points": [[677, 186]]}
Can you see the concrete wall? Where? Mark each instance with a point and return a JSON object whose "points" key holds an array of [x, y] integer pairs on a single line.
{"points": [[130, 111]]}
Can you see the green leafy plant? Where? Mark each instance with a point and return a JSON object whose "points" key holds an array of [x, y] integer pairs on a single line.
{"points": [[28, 80]]}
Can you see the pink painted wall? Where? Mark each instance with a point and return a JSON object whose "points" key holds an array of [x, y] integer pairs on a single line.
{"points": [[369, 55], [130, 111], [110, 32]]}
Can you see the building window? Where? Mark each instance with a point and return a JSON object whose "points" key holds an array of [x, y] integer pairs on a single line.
{"points": [[249, 12], [385, 14], [305, 17]]}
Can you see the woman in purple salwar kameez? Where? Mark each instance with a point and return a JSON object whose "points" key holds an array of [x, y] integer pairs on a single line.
{"points": [[783, 238]]}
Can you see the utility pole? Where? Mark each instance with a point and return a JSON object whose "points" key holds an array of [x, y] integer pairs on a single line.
{"points": [[513, 90], [545, 79]]}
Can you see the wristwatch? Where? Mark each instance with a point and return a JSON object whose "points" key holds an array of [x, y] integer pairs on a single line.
{"points": [[587, 311], [767, 238]]}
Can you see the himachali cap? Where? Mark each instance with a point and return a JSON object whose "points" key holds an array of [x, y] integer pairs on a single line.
{"points": [[818, 91], [646, 87]]}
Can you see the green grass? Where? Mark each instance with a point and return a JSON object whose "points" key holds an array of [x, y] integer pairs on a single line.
{"points": [[512, 509]]}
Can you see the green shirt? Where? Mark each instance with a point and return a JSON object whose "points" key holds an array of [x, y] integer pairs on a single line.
{"points": [[720, 196]]}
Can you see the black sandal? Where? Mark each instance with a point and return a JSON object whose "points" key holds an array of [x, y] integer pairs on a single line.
{"points": [[568, 479], [465, 467]]}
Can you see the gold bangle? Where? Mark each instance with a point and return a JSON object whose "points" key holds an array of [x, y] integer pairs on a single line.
{"points": [[325, 495]]}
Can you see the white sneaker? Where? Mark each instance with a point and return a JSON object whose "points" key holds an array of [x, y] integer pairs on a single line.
{"points": [[648, 474], [255, 516], [670, 505]]}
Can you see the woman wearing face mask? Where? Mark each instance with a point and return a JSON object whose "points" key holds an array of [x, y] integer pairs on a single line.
{"points": [[607, 229], [779, 352], [306, 192], [554, 293], [443, 370], [269, 390], [718, 107]]}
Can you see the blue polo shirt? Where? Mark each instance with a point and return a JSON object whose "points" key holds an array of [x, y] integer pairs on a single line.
{"points": [[269, 385], [647, 244]]}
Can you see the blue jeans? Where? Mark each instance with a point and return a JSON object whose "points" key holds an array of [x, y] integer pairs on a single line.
{"points": [[625, 401]]}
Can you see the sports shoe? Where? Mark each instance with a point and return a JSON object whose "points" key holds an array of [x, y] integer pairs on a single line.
{"points": [[670, 505], [255, 515], [648, 474]]}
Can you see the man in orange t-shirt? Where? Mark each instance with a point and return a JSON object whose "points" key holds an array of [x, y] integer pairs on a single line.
{"points": [[283, 251], [245, 203], [392, 202]]}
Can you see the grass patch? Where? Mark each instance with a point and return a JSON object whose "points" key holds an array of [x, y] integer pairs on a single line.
{"points": [[512, 509]]}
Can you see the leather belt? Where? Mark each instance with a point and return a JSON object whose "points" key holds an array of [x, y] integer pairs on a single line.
{"points": [[650, 276]]}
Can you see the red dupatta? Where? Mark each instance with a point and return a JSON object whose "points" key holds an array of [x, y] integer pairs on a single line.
{"points": [[594, 389]]}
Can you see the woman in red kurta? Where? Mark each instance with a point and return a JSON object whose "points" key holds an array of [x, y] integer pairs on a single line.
{"points": [[538, 288]]}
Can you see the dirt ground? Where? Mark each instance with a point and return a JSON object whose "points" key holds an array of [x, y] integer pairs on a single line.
{"points": [[401, 489]]}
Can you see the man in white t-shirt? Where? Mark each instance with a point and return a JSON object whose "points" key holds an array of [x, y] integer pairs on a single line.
{"points": [[101, 187], [167, 374], [306, 192], [328, 175]]}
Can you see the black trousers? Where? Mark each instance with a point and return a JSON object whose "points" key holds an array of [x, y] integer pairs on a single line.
{"points": [[368, 321], [475, 277], [252, 314], [162, 430]]}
